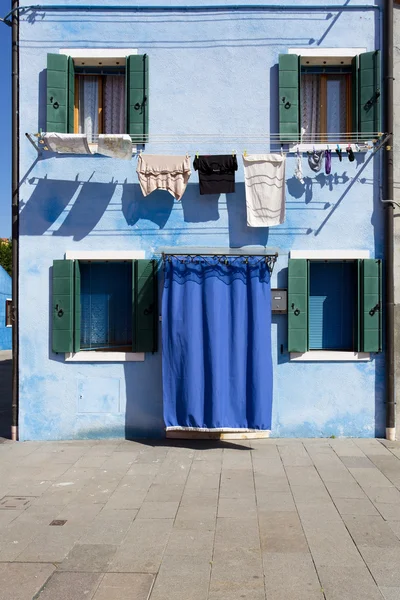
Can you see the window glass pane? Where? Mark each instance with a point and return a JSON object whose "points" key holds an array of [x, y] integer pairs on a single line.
{"points": [[331, 306], [114, 104], [106, 306], [88, 105], [310, 105], [336, 104]]}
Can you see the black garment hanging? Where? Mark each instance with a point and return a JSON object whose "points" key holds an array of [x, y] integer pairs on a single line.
{"points": [[216, 173]]}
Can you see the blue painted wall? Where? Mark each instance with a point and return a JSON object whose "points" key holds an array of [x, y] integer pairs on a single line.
{"points": [[5, 294], [209, 73]]}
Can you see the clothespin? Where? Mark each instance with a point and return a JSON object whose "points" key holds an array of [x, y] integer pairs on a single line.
{"points": [[298, 151], [233, 152], [313, 148], [338, 147], [245, 153], [197, 154], [357, 148], [140, 151], [281, 150]]}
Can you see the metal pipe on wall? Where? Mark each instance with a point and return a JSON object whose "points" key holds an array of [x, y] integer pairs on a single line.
{"points": [[15, 220], [389, 218]]}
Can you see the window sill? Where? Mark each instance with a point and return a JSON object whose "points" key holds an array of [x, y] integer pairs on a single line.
{"points": [[90, 356], [329, 356]]}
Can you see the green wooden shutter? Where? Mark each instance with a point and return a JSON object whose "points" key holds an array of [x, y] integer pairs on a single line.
{"points": [[57, 93], [370, 92], [137, 87], [289, 97], [145, 310], [71, 94], [77, 307], [371, 305], [298, 305], [354, 92], [63, 300]]}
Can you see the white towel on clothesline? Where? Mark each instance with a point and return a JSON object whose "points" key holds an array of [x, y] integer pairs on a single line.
{"points": [[67, 143], [115, 146], [264, 176]]}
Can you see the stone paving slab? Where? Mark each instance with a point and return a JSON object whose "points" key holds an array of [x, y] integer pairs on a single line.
{"points": [[254, 520]]}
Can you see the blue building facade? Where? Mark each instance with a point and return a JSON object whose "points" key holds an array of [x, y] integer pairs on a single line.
{"points": [[214, 88], [5, 300]]}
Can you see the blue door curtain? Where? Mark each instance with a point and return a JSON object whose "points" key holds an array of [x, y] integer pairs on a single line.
{"points": [[216, 333]]}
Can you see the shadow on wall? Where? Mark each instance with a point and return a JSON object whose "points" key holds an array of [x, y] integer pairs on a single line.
{"points": [[51, 197]]}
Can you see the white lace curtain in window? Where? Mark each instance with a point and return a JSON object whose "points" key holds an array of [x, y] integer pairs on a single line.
{"points": [[310, 106], [88, 106], [114, 104]]}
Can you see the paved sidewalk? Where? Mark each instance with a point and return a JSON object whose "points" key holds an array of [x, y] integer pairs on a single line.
{"points": [[275, 519]]}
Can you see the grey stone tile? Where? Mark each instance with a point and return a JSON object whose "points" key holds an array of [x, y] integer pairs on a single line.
{"points": [[200, 481], [129, 586], [158, 510], [338, 474], [383, 563], [237, 459], [270, 501], [371, 447], [357, 462], [390, 593], [236, 484], [89, 558], [90, 461], [294, 455], [331, 544], [51, 545], [20, 581], [291, 575], [144, 469], [317, 511], [370, 477], [303, 476], [127, 497], [182, 577], [348, 583], [317, 493], [355, 506], [385, 495], [237, 507], [196, 515], [237, 578], [233, 534], [6, 516], [345, 447], [282, 532], [339, 489], [371, 531], [273, 483], [390, 512], [143, 548], [184, 543], [71, 586], [77, 516], [109, 527]]}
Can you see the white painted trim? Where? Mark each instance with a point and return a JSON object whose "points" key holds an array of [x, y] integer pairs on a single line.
{"points": [[330, 254], [108, 255], [334, 52], [93, 56], [329, 356], [93, 356]]}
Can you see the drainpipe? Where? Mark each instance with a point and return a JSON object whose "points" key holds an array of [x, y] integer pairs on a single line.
{"points": [[15, 218], [389, 214]]}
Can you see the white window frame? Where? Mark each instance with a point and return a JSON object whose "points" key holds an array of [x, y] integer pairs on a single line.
{"points": [[94, 57], [7, 300], [92, 355], [314, 56], [330, 355]]}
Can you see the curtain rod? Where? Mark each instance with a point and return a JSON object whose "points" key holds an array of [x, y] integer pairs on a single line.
{"points": [[204, 8]]}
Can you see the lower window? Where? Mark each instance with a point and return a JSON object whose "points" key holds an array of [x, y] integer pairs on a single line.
{"points": [[334, 305], [106, 306]]}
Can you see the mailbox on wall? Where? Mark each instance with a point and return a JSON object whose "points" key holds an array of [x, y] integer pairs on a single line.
{"points": [[278, 301]]}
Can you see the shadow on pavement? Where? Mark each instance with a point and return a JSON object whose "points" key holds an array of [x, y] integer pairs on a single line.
{"points": [[5, 394]]}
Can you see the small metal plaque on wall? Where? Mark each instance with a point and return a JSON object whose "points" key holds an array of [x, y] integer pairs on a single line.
{"points": [[278, 301]]}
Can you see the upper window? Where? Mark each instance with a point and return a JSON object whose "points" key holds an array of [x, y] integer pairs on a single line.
{"points": [[321, 97], [98, 94], [325, 94], [99, 101]]}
